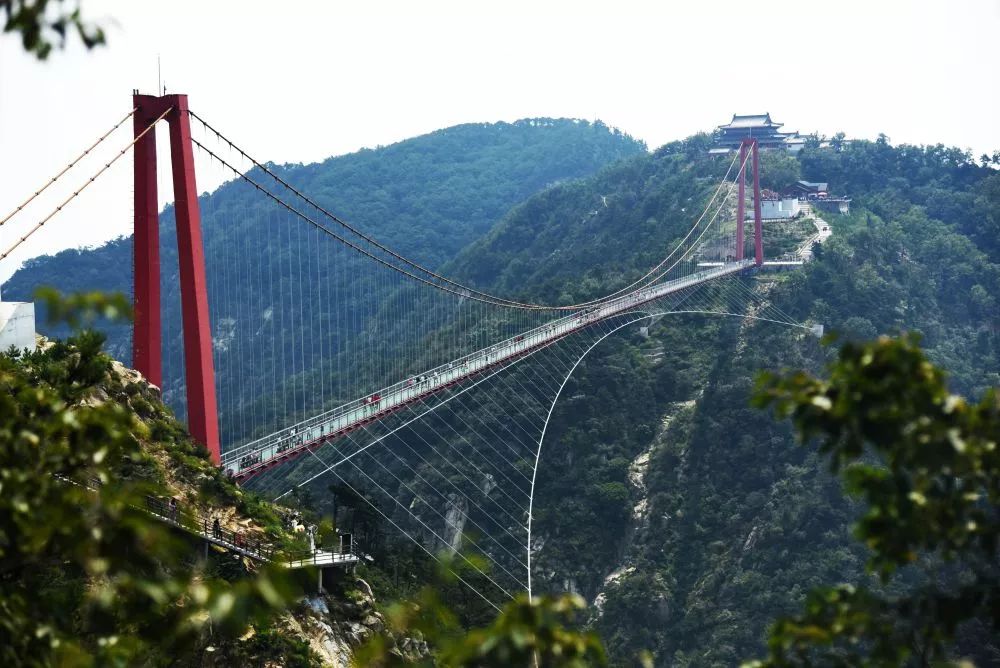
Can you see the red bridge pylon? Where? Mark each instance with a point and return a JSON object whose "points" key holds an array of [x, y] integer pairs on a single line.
{"points": [[203, 417], [749, 146]]}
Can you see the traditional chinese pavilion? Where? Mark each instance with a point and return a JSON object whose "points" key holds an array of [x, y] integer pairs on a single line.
{"points": [[759, 127]]}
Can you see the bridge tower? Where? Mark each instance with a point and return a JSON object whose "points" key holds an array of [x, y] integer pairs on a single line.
{"points": [[749, 147], [203, 421]]}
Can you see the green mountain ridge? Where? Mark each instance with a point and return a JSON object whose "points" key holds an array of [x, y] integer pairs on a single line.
{"points": [[425, 197], [737, 522]]}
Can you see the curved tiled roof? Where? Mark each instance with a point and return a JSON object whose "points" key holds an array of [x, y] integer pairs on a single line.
{"points": [[751, 121]]}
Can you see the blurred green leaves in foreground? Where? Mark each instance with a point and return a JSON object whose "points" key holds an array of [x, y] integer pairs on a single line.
{"points": [[924, 463], [86, 577], [46, 24]]}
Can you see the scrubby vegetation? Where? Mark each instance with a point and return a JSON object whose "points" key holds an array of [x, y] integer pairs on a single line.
{"points": [[88, 577]]}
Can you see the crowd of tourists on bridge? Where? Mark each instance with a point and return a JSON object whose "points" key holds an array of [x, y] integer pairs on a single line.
{"points": [[300, 436], [254, 458]]}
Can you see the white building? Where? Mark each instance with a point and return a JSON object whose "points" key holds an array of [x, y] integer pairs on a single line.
{"points": [[17, 325], [779, 209]]}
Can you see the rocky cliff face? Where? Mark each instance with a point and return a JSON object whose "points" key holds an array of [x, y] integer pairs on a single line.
{"points": [[335, 625], [332, 624], [638, 525]]}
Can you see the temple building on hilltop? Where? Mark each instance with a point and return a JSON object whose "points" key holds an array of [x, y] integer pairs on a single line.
{"points": [[759, 127]]}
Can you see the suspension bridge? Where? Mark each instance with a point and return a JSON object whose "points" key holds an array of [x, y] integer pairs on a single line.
{"points": [[312, 351]]}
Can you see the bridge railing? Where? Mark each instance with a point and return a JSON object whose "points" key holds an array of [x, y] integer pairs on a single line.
{"points": [[204, 525], [249, 456], [323, 556], [289, 435], [247, 543]]}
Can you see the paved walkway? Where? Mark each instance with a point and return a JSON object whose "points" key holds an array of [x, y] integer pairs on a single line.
{"points": [[823, 232]]}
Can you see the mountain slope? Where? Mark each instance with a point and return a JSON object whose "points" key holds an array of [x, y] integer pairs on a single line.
{"points": [[584, 238], [690, 518], [425, 197]]}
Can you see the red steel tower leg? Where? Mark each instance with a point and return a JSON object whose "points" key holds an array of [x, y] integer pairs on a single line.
{"points": [[203, 414], [741, 209], [146, 351], [203, 421], [758, 230]]}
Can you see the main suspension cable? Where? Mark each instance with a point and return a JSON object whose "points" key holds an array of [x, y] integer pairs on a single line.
{"points": [[86, 183], [458, 288], [291, 209], [690, 250], [68, 167], [374, 242]]}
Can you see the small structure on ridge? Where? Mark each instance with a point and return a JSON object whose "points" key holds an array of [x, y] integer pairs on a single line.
{"points": [[767, 132]]}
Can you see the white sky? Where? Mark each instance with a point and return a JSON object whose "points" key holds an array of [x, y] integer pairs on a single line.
{"points": [[298, 81]]}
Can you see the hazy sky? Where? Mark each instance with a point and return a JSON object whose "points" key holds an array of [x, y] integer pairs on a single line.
{"points": [[298, 81]]}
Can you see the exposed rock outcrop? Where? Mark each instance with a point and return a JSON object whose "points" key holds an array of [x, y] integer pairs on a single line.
{"points": [[336, 625]]}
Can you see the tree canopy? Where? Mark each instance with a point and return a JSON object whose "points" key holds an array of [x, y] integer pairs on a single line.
{"points": [[87, 577], [925, 464], [46, 24]]}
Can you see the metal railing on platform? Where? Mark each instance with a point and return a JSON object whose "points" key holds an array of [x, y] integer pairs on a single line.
{"points": [[167, 510], [246, 542], [206, 527]]}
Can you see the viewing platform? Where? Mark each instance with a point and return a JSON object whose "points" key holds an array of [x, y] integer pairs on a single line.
{"points": [[244, 544]]}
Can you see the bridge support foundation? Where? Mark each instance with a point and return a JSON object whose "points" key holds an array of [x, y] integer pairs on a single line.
{"points": [[199, 371]]}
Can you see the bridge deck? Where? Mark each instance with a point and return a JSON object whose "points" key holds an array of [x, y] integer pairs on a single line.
{"points": [[255, 456]]}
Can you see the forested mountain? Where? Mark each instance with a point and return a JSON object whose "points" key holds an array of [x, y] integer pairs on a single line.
{"points": [[425, 197], [689, 518], [584, 238]]}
